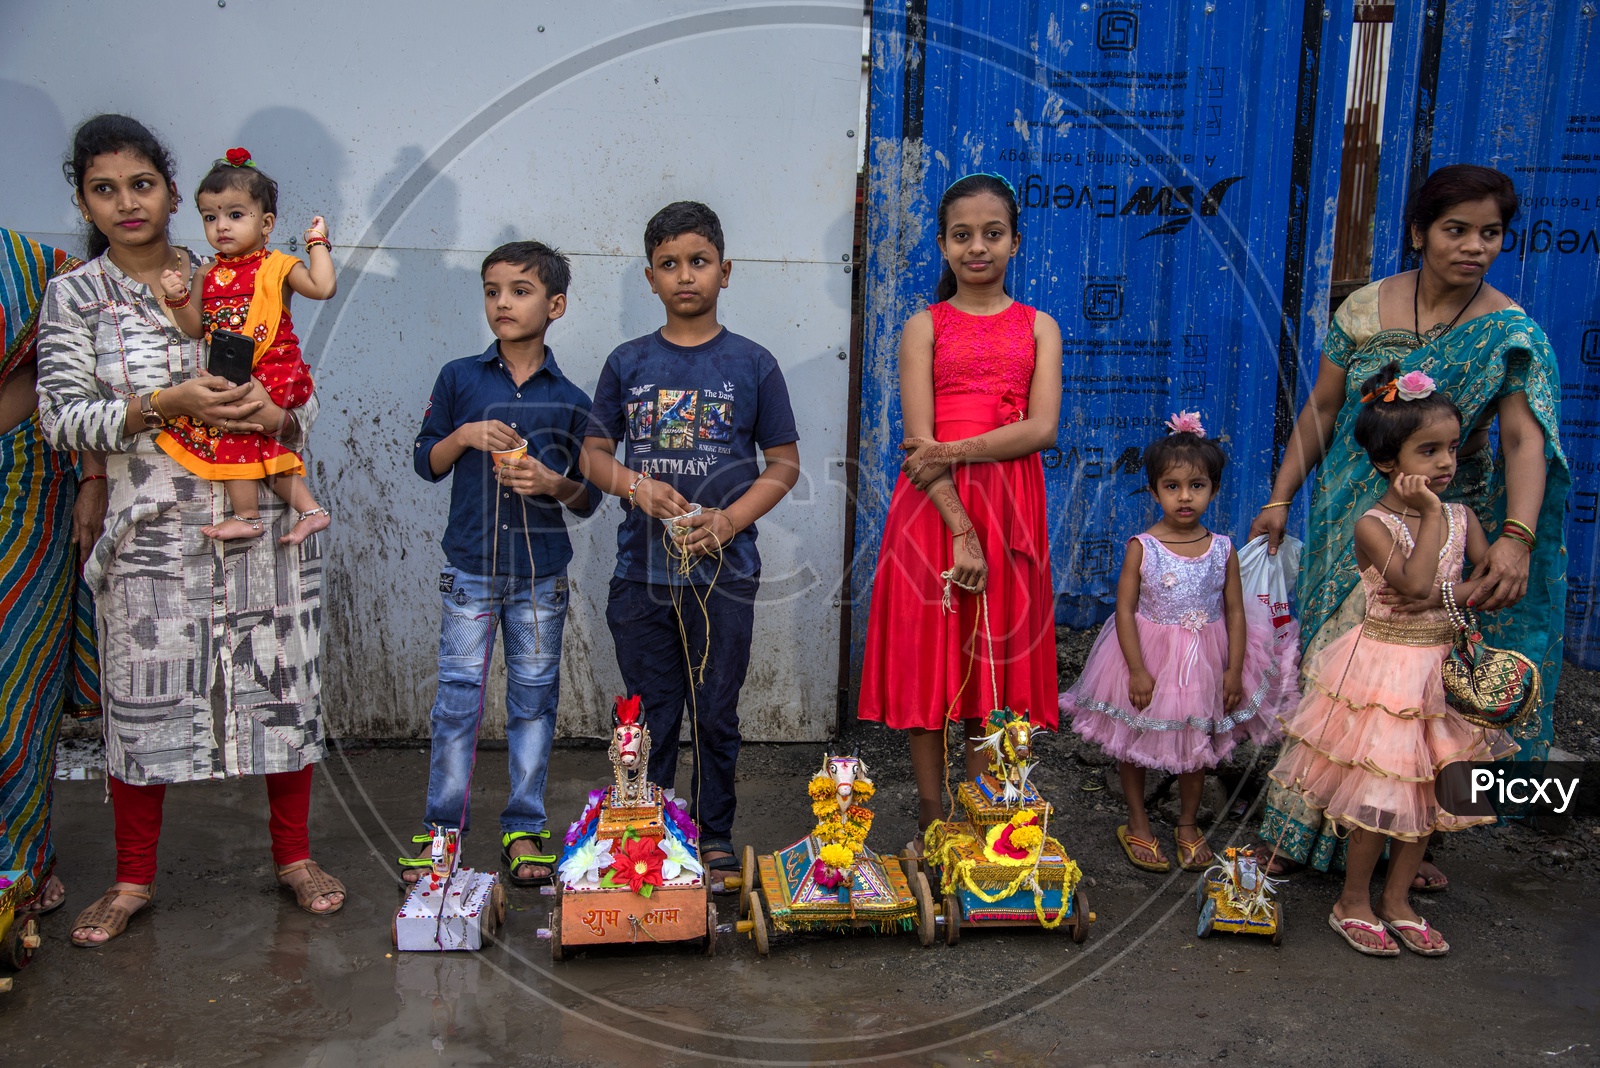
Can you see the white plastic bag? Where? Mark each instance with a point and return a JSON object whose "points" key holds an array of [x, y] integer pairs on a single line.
{"points": [[1269, 581]]}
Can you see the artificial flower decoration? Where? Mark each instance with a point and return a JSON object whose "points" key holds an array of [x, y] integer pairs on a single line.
{"points": [[1414, 385], [585, 863], [637, 866], [678, 810], [1015, 841], [1186, 423], [240, 157], [826, 877], [679, 859], [836, 857]]}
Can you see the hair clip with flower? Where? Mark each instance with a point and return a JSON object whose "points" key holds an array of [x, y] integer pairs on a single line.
{"points": [[1186, 423], [1411, 386], [239, 157]]}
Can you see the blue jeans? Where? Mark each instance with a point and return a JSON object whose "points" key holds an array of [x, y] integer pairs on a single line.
{"points": [[533, 684]]}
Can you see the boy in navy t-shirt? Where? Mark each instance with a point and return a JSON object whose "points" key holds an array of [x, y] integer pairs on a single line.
{"points": [[506, 545], [692, 402]]}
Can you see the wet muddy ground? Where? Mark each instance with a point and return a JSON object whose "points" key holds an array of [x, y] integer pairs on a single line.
{"points": [[224, 970]]}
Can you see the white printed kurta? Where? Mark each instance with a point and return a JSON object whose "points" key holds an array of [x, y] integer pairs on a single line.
{"points": [[210, 651]]}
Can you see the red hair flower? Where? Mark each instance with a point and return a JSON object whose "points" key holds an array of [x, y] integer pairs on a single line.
{"points": [[637, 865], [239, 157]]}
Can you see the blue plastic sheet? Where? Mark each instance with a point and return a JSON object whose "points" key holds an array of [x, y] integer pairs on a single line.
{"points": [[1177, 164]]}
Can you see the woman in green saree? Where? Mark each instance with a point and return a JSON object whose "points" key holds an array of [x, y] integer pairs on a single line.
{"points": [[1495, 363]]}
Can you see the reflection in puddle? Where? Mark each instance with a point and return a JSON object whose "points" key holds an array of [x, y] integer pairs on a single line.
{"points": [[432, 986]]}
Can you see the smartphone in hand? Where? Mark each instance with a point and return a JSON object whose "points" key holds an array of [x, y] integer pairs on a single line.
{"points": [[233, 356]]}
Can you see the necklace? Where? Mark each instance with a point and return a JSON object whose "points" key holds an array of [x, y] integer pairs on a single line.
{"points": [[1191, 541], [1402, 512], [1416, 322]]}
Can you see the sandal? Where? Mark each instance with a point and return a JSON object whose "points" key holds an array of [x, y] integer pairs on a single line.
{"points": [[419, 863], [1344, 928], [721, 866], [538, 860], [317, 883], [1434, 884], [1187, 851], [107, 917], [1150, 845], [35, 904], [1420, 947]]}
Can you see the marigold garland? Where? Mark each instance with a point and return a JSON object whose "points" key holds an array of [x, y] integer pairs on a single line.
{"points": [[845, 832]]}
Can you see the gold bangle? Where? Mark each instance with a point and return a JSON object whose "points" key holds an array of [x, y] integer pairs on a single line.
{"points": [[1276, 504]]}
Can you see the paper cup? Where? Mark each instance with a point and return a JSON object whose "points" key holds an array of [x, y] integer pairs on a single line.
{"points": [[511, 456]]}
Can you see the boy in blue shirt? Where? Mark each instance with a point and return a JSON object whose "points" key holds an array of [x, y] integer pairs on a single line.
{"points": [[693, 402], [506, 546]]}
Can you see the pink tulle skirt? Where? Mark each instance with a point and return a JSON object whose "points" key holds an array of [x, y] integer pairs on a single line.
{"points": [[1373, 732], [1185, 728]]}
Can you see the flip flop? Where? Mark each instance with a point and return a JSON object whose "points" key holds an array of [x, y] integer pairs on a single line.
{"points": [[1398, 929], [1129, 842], [1187, 850], [1343, 927], [1437, 885]]}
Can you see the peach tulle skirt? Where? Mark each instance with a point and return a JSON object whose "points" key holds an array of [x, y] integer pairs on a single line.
{"points": [[1371, 734]]}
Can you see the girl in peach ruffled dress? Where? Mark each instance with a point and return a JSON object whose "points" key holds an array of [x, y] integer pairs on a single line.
{"points": [[1374, 729]]}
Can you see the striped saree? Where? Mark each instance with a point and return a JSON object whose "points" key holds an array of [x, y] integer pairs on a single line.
{"points": [[47, 659]]}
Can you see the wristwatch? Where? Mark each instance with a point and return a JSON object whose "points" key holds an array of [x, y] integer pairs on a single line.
{"points": [[147, 412]]}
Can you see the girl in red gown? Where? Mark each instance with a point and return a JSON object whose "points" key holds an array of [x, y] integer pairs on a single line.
{"points": [[963, 612], [246, 291]]}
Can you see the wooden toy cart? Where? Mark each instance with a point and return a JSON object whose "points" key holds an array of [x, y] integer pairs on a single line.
{"points": [[631, 873], [886, 898], [19, 931], [449, 907], [981, 887], [1237, 897]]}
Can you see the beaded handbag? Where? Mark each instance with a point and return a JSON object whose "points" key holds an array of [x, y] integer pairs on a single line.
{"points": [[1487, 687]]}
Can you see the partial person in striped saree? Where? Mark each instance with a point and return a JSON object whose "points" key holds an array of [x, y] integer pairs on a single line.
{"points": [[50, 513]]}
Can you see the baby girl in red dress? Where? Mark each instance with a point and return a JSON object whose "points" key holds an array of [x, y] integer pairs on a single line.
{"points": [[247, 290]]}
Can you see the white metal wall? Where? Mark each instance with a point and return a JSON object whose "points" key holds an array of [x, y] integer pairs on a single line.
{"points": [[430, 133]]}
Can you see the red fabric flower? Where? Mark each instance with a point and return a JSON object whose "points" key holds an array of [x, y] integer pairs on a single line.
{"points": [[638, 865], [239, 157], [1003, 846]]}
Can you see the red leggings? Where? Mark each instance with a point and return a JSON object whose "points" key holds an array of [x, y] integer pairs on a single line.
{"points": [[137, 811]]}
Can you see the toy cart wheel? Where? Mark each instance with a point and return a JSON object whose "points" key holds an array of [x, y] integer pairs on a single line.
{"points": [[557, 953], [925, 925], [952, 919], [711, 928], [910, 863], [18, 951], [1277, 923], [497, 898], [758, 922], [1080, 916], [747, 879], [1208, 916]]}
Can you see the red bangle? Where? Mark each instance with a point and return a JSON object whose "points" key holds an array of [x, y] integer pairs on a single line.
{"points": [[89, 478], [178, 305]]}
